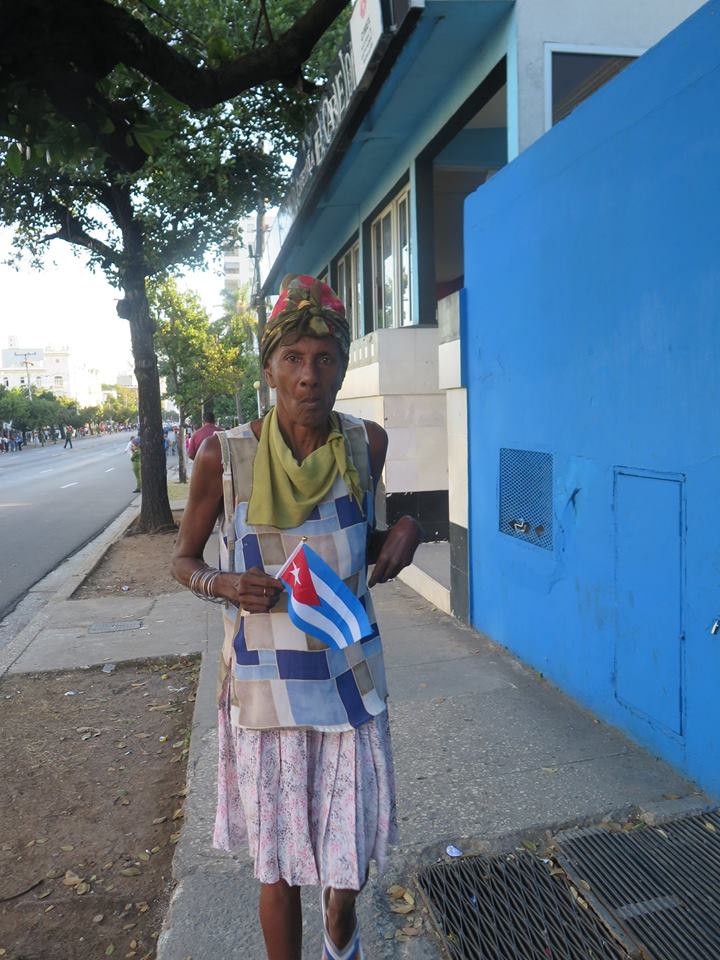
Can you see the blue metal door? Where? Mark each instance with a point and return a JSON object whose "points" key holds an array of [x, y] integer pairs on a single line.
{"points": [[649, 650]]}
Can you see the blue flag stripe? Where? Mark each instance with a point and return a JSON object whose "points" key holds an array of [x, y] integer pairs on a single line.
{"points": [[332, 607], [320, 569], [312, 628], [355, 618]]}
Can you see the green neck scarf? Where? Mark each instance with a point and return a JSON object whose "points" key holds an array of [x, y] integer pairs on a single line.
{"points": [[285, 492]]}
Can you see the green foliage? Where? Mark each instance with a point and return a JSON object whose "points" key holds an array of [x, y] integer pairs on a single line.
{"points": [[194, 172], [47, 410], [109, 140], [238, 328], [120, 408], [192, 358]]}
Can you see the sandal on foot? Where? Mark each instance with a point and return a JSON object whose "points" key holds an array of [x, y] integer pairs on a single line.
{"points": [[353, 950]]}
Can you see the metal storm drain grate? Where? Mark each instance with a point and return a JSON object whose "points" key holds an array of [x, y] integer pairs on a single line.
{"points": [[511, 908], [115, 626], [660, 884]]}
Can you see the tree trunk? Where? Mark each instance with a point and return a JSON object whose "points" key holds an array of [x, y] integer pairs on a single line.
{"points": [[182, 468], [264, 391], [155, 513]]}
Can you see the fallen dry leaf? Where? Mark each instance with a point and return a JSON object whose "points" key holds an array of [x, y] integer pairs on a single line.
{"points": [[130, 871], [401, 907]]}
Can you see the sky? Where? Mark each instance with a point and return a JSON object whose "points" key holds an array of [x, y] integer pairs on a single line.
{"points": [[67, 305]]}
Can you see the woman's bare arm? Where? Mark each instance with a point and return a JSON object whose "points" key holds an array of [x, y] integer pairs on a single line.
{"points": [[254, 590]]}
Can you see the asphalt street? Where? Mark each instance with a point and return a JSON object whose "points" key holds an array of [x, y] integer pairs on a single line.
{"points": [[52, 501]]}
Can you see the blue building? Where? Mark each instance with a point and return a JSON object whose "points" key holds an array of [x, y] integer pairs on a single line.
{"points": [[433, 104], [593, 401], [428, 102]]}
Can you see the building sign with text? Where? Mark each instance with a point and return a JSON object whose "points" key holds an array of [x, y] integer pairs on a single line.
{"points": [[355, 56]]}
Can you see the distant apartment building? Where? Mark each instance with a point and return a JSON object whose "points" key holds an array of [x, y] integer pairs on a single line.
{"points": [[240, 259], [49, 368]]}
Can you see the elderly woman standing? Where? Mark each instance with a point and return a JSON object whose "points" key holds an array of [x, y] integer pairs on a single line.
{"points": [[305, 770]]}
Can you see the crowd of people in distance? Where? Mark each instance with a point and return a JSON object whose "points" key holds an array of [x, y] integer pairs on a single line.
{"points": [[12, 441]]}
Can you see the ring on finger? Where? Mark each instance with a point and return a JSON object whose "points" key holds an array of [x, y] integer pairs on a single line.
{"points": [[264, 592]]}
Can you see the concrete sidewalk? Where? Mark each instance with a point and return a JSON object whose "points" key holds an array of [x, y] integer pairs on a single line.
{"points": [[485, 752]]}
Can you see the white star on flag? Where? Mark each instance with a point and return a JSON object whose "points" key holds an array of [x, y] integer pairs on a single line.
{"points": [[296, 573]]}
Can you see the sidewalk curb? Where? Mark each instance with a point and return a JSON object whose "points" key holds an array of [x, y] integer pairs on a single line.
{"points": [[70, 573]]}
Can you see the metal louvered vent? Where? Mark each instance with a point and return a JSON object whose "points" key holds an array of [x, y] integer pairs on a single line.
{"points": [[526, 501], [659, 885], [511, 908]]}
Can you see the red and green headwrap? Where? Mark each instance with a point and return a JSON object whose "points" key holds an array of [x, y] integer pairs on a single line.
{"points": [[306, 307]]}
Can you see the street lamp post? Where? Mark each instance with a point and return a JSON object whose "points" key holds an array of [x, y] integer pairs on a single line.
{"points": [[28, 364]]}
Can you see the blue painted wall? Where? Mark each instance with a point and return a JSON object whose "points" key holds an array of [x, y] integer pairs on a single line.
{"points": [[593, 333]]}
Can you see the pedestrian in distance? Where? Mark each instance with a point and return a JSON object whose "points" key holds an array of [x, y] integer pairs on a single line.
{"points": [[68, 438], [206, 430], [305, 772], [133, 448]]}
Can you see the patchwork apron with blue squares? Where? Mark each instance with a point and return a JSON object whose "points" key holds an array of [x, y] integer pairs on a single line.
{"points": [[280, 677]]}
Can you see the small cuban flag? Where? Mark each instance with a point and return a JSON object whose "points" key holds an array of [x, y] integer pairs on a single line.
{"points": [[319, 603]]}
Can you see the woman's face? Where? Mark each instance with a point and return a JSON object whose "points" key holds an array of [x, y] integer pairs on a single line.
{"points": [[307, 375]]}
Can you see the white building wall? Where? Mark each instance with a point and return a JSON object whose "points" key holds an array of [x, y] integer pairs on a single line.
{"points": [[393, 380], [632, 25]]}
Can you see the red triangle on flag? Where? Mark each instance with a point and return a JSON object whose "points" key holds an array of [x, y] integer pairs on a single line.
{"points": [[297, 577]]}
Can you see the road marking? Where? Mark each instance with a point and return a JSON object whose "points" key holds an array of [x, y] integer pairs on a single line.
{"points": [[66, 485], [46, 471], [110, 470], [18, 504]]}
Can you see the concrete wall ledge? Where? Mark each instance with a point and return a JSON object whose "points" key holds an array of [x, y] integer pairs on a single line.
{"points": [[426, 586]]}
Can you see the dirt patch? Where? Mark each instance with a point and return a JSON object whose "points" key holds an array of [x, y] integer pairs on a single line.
{"points": [[93, 785], [139, 562]]}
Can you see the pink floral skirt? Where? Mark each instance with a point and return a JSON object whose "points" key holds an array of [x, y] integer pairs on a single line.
{"points": [[314, 808]]}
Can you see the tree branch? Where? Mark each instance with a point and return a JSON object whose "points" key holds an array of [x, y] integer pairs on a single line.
{"points": [[72, 231], [79, 42]]}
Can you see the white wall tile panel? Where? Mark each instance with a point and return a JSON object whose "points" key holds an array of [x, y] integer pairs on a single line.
{"points": [[449, 365], [457, 445]]}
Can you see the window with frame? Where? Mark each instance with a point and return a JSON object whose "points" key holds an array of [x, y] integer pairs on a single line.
{"points": [[348, 287], [390, 234], [577, 75]]}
